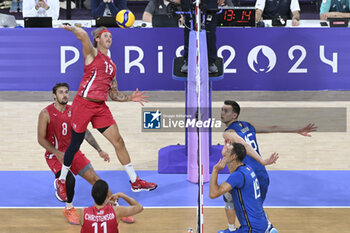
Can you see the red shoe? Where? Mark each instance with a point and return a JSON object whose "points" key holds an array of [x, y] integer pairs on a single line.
{"points": [[140, 185], [60, 186], [129, 219], [71, 215]]}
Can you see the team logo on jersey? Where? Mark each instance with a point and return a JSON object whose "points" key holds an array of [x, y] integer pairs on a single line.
{"points": [[152, 119], [262, 59]]}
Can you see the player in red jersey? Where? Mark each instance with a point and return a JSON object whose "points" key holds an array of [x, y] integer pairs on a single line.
{"points": [[54, 135], [89, 105], [103, 217]]}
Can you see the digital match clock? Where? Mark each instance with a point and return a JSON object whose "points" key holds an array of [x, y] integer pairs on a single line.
{"points": [[236, 17]]}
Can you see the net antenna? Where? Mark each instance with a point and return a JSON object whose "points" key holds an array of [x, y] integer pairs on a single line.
{"points": [[198, 90]]}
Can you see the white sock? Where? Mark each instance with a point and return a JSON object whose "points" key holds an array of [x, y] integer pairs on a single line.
{"points": [[69, 205], [64, 172], [131, 172], [231, 227]]}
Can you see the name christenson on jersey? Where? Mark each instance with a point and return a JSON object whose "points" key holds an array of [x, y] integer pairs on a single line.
{"points": [[103, 218]]}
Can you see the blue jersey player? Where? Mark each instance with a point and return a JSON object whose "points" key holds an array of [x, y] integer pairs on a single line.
{"points": [[244, 188], [245, 133]]}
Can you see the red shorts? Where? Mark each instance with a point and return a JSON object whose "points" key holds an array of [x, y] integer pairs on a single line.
{"points": [[85, 111], [79, 162]]}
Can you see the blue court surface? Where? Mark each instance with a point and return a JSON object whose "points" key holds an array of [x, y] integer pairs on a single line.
{"points": [[287, 189]]}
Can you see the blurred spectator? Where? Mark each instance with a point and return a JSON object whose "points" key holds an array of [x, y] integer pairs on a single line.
{"points": [[227, 3], [41, 8], [269, 9], [107, 7], [335, 9], [156, 7], [63, 4], [16, 6], [87, 4]]}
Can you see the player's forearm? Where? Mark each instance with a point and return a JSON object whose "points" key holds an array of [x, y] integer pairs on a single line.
{"points": [[48, 146], [231, 136], [275, 129], [80, 33], [92, 141], [132, 202], [118, 96], [252, 153], [213, 185]]}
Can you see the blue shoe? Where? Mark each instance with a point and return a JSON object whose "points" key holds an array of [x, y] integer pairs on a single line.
{"points": [[226, 231], [273, 230]]}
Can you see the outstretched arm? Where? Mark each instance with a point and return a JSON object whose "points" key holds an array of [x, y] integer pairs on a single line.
{"points": [[116, 95], [305, 131], [92, 141], [232, 137], [88, 50]]}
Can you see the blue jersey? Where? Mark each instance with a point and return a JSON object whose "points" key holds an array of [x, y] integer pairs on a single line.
{"points": [[246, 131], [247, 200]]}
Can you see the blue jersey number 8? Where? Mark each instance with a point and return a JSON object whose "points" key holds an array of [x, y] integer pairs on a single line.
{"points": [[256, 189]]}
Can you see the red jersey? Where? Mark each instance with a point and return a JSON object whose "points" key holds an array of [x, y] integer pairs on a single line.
{"points": [[97, 77], [58, 131], [99, 220]]}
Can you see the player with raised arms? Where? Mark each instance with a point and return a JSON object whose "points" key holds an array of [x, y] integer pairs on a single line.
{"points": [[89, 105]]}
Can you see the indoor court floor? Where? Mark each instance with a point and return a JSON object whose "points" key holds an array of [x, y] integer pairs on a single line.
{"points": [[309, 190]]}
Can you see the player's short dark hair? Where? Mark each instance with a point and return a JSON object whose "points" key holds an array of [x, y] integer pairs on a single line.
{"points": [[239, 150], [95, 33], [99, 191], [235, 106], [54, 89]]}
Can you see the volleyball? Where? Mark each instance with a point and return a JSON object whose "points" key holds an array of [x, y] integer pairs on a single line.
{"points": [[125, 18]]}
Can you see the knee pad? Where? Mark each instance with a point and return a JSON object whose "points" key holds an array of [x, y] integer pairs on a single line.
{"points": [[228, 201]]}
